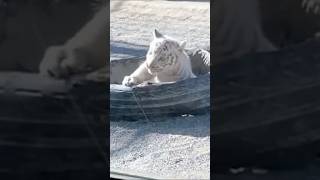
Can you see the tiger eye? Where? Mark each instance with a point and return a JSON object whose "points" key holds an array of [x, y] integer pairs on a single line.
{"points": [[161, 59]]}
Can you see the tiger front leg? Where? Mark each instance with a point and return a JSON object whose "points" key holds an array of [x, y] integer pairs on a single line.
{"points": [[139, 76], [130, 81]]}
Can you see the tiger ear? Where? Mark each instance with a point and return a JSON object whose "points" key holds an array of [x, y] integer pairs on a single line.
{"points": [[157, 34], [183, 44]]}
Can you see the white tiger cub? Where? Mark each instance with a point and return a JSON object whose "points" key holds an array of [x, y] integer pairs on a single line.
{"points": [[166, 61]]}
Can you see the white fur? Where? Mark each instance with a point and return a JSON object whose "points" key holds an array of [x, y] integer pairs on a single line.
{"points": [[166, 61]]}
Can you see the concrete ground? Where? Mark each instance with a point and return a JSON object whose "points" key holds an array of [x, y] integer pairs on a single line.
{"points": [[132, 23]]}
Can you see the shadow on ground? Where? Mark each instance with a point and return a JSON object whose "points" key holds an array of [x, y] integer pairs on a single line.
{"points": [[119, 50], [195, 126]]}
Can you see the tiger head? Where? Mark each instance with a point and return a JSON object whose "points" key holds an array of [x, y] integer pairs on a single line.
{"points": [[163, 52]]}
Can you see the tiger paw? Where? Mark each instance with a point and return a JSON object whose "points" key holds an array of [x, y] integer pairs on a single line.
{"points": [[145, 83], [129, 81]]}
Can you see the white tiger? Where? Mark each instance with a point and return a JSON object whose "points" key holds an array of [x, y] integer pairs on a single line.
{"points": [[166, 61]]}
